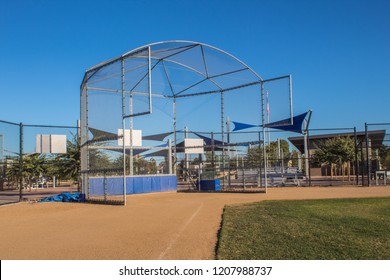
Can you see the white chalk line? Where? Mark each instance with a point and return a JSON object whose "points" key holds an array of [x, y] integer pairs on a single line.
{"points": [[182, 229]]}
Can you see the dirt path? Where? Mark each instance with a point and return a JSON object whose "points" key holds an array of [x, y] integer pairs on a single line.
{"points": [[151, 226]]}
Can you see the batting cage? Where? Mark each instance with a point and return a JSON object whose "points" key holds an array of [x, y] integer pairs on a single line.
{"points": [[161, 117]]}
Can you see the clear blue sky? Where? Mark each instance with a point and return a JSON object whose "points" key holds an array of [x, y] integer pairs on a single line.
{"points": [[337, 51]]}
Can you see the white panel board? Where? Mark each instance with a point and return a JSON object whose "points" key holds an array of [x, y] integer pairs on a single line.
{"points": [[50, 144], [58, 144], [137, 137], [38, 143], [193, 146]]}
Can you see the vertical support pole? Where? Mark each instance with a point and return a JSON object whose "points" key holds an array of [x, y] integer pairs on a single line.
{"points": [[78, 141], [264, 148], [212, 154], [261, 183], [367, 156], [308, 155], [306, 150], [278, 154], [174, 135], [170, 156], [20, 161], [228, 142], [2, 156], [362, 161], [84, 150], [291, 106], [131, 160], [124, 129], [150, 79], [223, 136], [105, 186], [356, 156], [299, 161], [186, 162]]}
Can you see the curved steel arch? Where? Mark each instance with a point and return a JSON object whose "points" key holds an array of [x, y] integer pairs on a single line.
{"points": [[182, 48]]}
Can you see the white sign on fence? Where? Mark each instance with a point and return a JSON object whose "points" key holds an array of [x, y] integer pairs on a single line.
{"points": [[137, 137], [193, 146], [50, 144]]}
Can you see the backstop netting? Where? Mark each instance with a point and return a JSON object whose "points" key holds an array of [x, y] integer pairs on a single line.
{"points": [[164, 112]]}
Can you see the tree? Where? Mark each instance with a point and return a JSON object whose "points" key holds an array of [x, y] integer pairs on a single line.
{"points": [[68, 165], [34, 165], [384, 155], [255, 154], [336, 152]]}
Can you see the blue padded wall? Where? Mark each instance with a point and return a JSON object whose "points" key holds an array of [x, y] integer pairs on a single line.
{"points": [[134, 185], [210, 185]]}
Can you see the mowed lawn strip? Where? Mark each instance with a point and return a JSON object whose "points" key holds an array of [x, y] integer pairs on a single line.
{"points": [[339, 229]]}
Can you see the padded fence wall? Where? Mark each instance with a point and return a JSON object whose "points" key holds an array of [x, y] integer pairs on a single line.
{"points": [[100, 186]]}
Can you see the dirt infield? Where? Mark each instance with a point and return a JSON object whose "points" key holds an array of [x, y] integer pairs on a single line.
{"points": [[152, 226]]}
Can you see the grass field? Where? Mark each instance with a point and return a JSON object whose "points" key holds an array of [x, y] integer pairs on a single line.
{"points": [[340, 229]]}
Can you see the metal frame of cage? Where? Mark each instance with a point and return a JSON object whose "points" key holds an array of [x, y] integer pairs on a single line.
{"points": [[147, 52]]}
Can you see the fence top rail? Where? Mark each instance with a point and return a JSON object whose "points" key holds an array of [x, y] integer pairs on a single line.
{"points": [[39, 125], [50, 126], [373, 124], [7, 122]]}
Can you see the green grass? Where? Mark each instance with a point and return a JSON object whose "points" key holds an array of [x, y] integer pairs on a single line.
{"points": [[340, 229]]}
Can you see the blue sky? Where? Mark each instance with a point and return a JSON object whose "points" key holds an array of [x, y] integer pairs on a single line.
{"points": [[338, 52]]}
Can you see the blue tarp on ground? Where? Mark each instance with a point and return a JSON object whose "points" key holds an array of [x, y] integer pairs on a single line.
{"points": [[63, 197], [134, 185]]}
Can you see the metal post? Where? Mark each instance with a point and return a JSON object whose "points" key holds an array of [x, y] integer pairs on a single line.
{"points": [[223, 136], [150, 79], [212, 155], [228, 142], [2, 156], [278, 153], [174, 135], [131, 135], [261, 183], [170, 156], [186, 163], [124, 129], [263, 125], [306, 151], [362, 161], [291, 107], [20, 161], [356, 156], [308, 155], [367, 156]]}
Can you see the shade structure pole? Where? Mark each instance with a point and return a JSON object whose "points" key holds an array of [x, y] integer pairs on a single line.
{"points": [[306, 150]]}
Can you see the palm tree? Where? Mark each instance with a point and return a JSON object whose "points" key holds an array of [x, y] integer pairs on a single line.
{"points": [[67, 166]]}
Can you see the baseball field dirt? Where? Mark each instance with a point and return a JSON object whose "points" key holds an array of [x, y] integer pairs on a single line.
{"points": [[151, 226]]}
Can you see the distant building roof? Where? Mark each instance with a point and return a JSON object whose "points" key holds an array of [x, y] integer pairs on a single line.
{"points": [[376, 137]]}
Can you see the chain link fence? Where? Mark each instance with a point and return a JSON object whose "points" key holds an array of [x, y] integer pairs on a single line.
{"points": [[229, 161], [37, 160]]}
